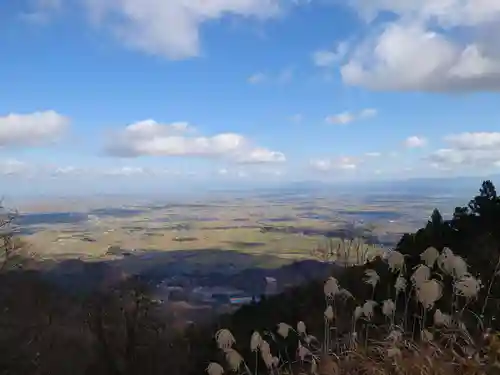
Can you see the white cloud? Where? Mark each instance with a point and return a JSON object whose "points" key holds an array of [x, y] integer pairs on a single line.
{"points": [[284, 76], [471, 157], [479, 140], [415, 142], [348, 117], [421, 50], [11, 167], [478, 150], [373, 154], [328, 58], [261, 155], [342, 163], [32, 129], [298, 117], [341, 118], [149, 138], [447, 13], [172, 28]]}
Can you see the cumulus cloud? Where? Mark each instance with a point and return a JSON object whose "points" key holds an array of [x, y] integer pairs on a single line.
{"points": [[149, 138], [479, 140], [415, 141], [348, 117], [481, 149], [448, 13], [171, 28], [421, 50], [35, 129]]}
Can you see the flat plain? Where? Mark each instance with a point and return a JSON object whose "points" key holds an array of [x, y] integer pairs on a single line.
{"points": [[287, 228]]}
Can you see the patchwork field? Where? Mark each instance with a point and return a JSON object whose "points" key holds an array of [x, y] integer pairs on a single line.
{"points": [[286, 229]]}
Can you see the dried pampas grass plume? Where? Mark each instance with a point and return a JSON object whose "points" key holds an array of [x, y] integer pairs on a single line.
{"points": [[426, 335], [395, 336], [445, 261], [302, 352], [388, 308], [214, 369], [264, 347], [268, 359], [421, 274], [400, 285], [429, 256], [368, 309], [224, 338], [329, 315], [284, 330], [255, 341], [234, 359], [314, 367], [331, 288], [301, 328], [468, 287], [396, 261], [372, 277], [460, 267], [429, 292], [441, 319], [358, 312]]}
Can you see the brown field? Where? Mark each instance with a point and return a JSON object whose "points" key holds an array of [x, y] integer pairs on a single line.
{"points": [[223, 225]]}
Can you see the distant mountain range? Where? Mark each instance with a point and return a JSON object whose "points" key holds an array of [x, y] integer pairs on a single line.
{"points": [[439, 186]]}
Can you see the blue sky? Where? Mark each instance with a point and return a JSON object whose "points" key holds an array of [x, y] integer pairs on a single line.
{"points": [[145, 95]]}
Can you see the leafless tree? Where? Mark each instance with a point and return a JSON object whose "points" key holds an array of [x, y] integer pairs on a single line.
{"points": [[8, 244]]}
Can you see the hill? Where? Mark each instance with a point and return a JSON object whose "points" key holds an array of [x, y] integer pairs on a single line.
{"points": [[429, 307]]}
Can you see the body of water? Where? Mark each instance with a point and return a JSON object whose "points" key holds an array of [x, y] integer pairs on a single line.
{"points": [[51, 218]]}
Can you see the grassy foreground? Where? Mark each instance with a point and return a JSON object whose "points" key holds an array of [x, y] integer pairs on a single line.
{"points": [[424, 309]]}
